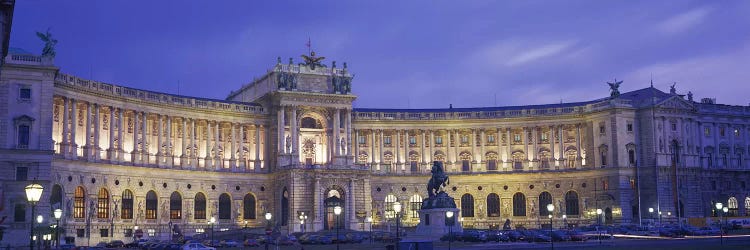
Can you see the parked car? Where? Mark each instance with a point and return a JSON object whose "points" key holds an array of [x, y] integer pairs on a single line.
{"points": [[116, 244], [455, 236], [251, 243], [560, 236], [229, 243], [497, 236], [196, 246], [576, 235], [325, 240], [515, 235]]}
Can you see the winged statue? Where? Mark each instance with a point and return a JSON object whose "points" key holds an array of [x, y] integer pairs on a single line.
{"points": [[49, 43], [614, 88], [313, 61]]}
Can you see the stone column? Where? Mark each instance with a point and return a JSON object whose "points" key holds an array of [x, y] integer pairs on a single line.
{"points": [[88, 153], [396, 151], [97, 133], [258, 147], [551, 139], [169, 154], [380, 148], [243, 158], [183, 144], [134, 152], [456, 144], [336, 131], [561, 141], [295, 135], [526, 147], [120, 138], [372, 148], [578, 146], [352, 206], [73, 128], [219, 159], [280, 126], [233, 147], [535, 141], [208, 160], [715, 130], [423, 144], [407, 149], [348, 124], [111, 150], [482, 151], [65, 143], [317, 205], [509, 158], [159, 140], [144, 140], [431, 154], [356, 145], [193, 144], [499, 142]]}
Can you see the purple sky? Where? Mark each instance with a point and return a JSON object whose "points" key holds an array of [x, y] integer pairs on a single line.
{"points": [[415, 54]]}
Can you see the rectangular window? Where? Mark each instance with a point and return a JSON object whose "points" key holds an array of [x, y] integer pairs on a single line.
{"points": [[22, 173], [103, 232], [23, 136], [413, 166], [465, 166], [412, 140], [707, 131], [631, 157], [80, 233], [362, 139], [722, 132], [24, 93], [492, 164], [544, 136], [605, 185], [464, 139], [630, 127], [602, 130], [632, 183], [439, 140], [516, 137], [491, 138], [674, 126], [387, 140], [20, 213]]}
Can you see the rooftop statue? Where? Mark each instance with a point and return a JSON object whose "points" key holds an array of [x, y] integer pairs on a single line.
{"points": [[614, 88], [672, 89], [49, 43], [313, 61]]}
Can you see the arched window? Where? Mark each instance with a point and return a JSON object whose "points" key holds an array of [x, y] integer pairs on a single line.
{"points": [[518, 159], [467, 205], [200, 206], [465, 158], [79, 203], [414, 161], [225, 207], [491, 161], [571, 203], [248, 207], [102, 204], [519, 204], [55, 199], [747, 206], [544, 159], [493, 205], [19, 212], [175, 206], [544, 199], [389, 200], [415, 203], [152, 204], [127, 205], [733, 206]]}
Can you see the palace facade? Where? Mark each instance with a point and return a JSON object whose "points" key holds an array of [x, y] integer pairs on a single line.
{"points": [[115, 158]]}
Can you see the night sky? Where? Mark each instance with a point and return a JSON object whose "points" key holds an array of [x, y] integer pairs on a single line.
{"points": [[414, 54]]}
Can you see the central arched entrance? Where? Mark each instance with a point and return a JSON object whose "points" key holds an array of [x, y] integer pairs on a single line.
{"points": [[335, 198]]}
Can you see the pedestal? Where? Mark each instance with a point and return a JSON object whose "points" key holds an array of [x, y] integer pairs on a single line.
{"points": [[438, 225]]}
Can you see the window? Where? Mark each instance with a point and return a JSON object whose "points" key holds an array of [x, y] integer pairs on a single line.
{"points": [[152, 204], [707, 131], [464, 139], [175, 206], [602, 129], [79, 203], [22, 173], [733, 206], [413, 166], [605, 184], [519, 204], [491, 138], [102, 204], [516, 137], [24, 93], [19, 213], [439, 140], [362, 139], [674, 126], [571, 203], [387, 140], [23, 136], [467, 205], [415, 204], [389, 200], [722, 131], [80, 233], [493, 205], [747, 205], [736, 132], [710, 159], [492, 164], [225, 207], [631, 157], [630, 127], [127, 205], [200, 206], [465, 158], [412, 140], [103, 232], [544, 199], [248, 207]]}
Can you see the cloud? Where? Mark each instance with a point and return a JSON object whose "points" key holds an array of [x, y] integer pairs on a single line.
{"points": [[533, 54], [683, 21], [517, 52]]}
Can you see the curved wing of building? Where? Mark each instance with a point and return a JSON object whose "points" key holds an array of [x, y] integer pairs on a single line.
{"points": [[120, 161]]}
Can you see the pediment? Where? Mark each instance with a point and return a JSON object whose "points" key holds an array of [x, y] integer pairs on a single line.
{"points": [[675, 102]]}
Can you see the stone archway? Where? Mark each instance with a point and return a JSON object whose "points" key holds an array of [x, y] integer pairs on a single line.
{"points": [[334, 197]]}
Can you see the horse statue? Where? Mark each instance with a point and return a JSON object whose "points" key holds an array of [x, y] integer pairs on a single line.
{"points": [[438, 179]]}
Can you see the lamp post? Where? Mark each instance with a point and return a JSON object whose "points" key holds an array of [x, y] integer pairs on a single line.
{"points": [[719, 206], [211, 222], [135, 232], [58, 214], [268, 229], [565, 221], [369, 220], [39, 220], [550, 209], [598, 218], [397, 209], [337, 212], [651, 213], [449, 217], [33, 194], [302, 219]]}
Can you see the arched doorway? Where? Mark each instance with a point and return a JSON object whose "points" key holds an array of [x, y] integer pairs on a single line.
{"points": [[608, 216], [335, 198]]}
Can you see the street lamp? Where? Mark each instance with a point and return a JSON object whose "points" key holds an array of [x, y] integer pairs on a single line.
{"points": [[551, 208], [58, 214], [337, 212], [449, 215], [39, 220], [397, 209], [598, 218], [211, 222], [369, 220], [135, 232], [268, 229], [33, 194], [719, 207], [565, 221], [302, 219]]}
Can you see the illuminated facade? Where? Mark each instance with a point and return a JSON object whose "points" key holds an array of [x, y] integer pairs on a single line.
{"points": [[114, 157]]}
